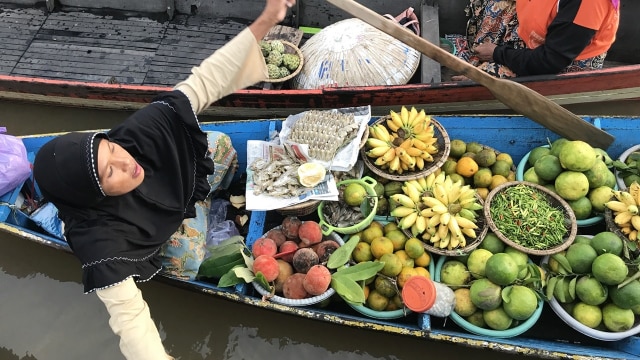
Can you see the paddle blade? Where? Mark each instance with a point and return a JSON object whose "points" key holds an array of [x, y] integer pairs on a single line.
{"points": [[514, 95]]}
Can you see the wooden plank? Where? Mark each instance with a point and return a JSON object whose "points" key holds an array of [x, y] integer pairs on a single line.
{"points": [[430, 28], [285, 33]]}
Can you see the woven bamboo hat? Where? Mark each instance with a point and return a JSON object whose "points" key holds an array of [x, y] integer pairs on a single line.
{"points": [[353, 53]]}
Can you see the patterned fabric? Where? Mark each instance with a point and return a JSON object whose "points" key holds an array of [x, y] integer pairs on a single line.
{"points": [[496, 21], [186, 249]]}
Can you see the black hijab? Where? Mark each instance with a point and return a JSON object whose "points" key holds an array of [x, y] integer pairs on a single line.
{"points": [[116, 237]]}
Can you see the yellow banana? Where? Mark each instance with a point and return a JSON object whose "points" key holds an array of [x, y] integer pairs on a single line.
{"points": [[419, 124], [443, 230], [407, 159], [440, 193], [623, 218], [635, 222], [440, 209], [383, 132], [444, 242], [380, 162], [468, 232], [625, 197], [633, 235], [433, 222], [625, 229], [402, 211], [406, 143], [632, 209], [394, 164], [404, 116], [395, 118], [429, 213], [419, 144], [467, 214], [423, 182], [378, 151], [391, 125], [413, 151], [435, 239], [389, 155], [426, 156], [431, 201], [464, 222], [412, 192], [374, 143], [404, 165], [421, 225], [416, 184], [403, 200], [408, 220], [445, 218], [419, 163]]}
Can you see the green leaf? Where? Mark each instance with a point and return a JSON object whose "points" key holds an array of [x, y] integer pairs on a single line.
{"points": [[551, 286], [620, 165], [506, 294], [248, 260], [342, 254], [348, 289], [361, 271], [244, 273], [572, 289], [262, 281], [229, 279], [560, 287], [563, 262]]}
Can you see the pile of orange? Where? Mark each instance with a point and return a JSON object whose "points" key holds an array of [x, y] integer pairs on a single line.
{"points": [[479, 166]]}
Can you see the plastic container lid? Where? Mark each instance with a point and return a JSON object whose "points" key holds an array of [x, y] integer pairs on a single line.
{"points": [[419, 294]]}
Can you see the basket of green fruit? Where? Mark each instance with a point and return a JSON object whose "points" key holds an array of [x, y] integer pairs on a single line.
{"points": [[284, 60]]}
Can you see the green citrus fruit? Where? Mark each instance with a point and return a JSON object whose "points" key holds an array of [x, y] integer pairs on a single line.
{"points": [[454, 274], [485, 157], [501, 269], [464, 306], [597, 174], [458, 147], [572, 185], [376, 301], [385, 286], [392, 265], [556, 146], [590, 291], [548, 167], [476, 319], [485, 294], [609, 269], [588, 315], [607, 242], [582, 239], [617, 319], [492, 243], [531, 176], [537, 153], [577, 155], [497, 319], [482, 178], [362, 252], [501, 167], [477, 261], [354, 194], [580, 257], [626, 297], [474, 147], [599, 196], [581, 207], [523, 302]]}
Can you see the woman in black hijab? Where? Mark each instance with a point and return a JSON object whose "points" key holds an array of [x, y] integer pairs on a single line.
{"points": [[123, 193]]}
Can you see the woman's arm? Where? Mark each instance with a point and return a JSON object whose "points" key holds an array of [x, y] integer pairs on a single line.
{"points": [[564, 41], [236, 65], [131, 320]]}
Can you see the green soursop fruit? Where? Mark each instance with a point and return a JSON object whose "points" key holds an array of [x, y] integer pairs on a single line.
{"points": [[284, 71], [291, 61], [277, 45], [274, 58], [265, 46], [274, 71]]}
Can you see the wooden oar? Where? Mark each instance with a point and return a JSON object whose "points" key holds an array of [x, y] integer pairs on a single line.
{"points": [[515, 95]]}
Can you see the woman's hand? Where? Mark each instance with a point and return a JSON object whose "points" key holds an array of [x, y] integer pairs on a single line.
{"points": [[484, 51], [274, 12]]}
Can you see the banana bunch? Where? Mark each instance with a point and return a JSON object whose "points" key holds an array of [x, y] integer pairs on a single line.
{"points": [[443, 214], [625, 210], [223, 257], [406, 143]]}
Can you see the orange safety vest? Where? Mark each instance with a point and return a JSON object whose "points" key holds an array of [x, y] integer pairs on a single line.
{"points": [[535, 16]]}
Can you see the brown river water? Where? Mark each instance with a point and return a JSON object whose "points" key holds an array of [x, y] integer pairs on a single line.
{"points": [[45, 316]]}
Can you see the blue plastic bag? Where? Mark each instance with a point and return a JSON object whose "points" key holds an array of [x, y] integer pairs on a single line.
{"points": [[14, 165]]}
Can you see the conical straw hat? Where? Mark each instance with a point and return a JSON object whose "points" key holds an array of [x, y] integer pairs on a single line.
{"points": [[353, 53]]}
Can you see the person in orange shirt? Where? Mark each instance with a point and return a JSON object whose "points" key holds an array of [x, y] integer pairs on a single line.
{"points": [[559, 36]]}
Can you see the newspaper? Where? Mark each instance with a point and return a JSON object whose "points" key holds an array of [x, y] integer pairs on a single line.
{"points": [[325, 190], [347, 156]]}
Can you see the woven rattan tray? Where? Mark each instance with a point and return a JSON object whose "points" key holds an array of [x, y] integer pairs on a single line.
{"points": [[289, 48]]}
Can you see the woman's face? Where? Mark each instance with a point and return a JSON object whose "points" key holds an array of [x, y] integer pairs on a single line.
{"points": [[118, 171]]}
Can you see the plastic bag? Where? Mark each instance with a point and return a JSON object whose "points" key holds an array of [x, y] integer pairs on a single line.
{"points": [[14, 165], [219, 228]]}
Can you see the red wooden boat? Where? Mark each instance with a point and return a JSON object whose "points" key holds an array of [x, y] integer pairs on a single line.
{"points": [[51, 59]]}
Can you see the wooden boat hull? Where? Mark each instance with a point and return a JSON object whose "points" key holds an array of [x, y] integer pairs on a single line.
{"points": [[551, 339], [43, 65]]}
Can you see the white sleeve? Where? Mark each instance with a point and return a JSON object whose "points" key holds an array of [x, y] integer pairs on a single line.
{"points": [[236, 65], [131, 320]]}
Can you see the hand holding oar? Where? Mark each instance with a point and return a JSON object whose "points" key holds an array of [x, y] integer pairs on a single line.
{"points": [[515, 95]]}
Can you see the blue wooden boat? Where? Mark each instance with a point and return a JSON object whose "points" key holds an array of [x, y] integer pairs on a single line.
{"points": [[549, 338]]}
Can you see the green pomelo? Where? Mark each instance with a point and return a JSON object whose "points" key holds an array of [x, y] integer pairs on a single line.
{"points": [[599, 196], [521, 258], [581, 207], [537, 153], [454, 274], [572, 185], [501, 269], [477, 319], [617, 319], [626, 297], [607, 242], [577, 155], [477, 261], [523, 302], [582, 239], [580, 257], [551, 187], [590, 291], [531, 176], [556, 146], [492, 243], [597, 175], [609, 269], [588, 315], [485, 294], [464, 306], [497, 319], [548, 167], [610, 180]]}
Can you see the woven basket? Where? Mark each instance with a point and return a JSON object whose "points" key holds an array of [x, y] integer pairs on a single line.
{"points": [[444, 146], [301, 209], [289, 48], [554, 199], [614, 228], [481, 232]]}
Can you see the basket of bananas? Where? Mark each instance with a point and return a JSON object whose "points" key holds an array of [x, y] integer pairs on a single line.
{"points": [[622, 217], [406, 145], [445, 214]]}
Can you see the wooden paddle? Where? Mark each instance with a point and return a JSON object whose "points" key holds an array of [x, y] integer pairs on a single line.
{"points": [[515, 95]]}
